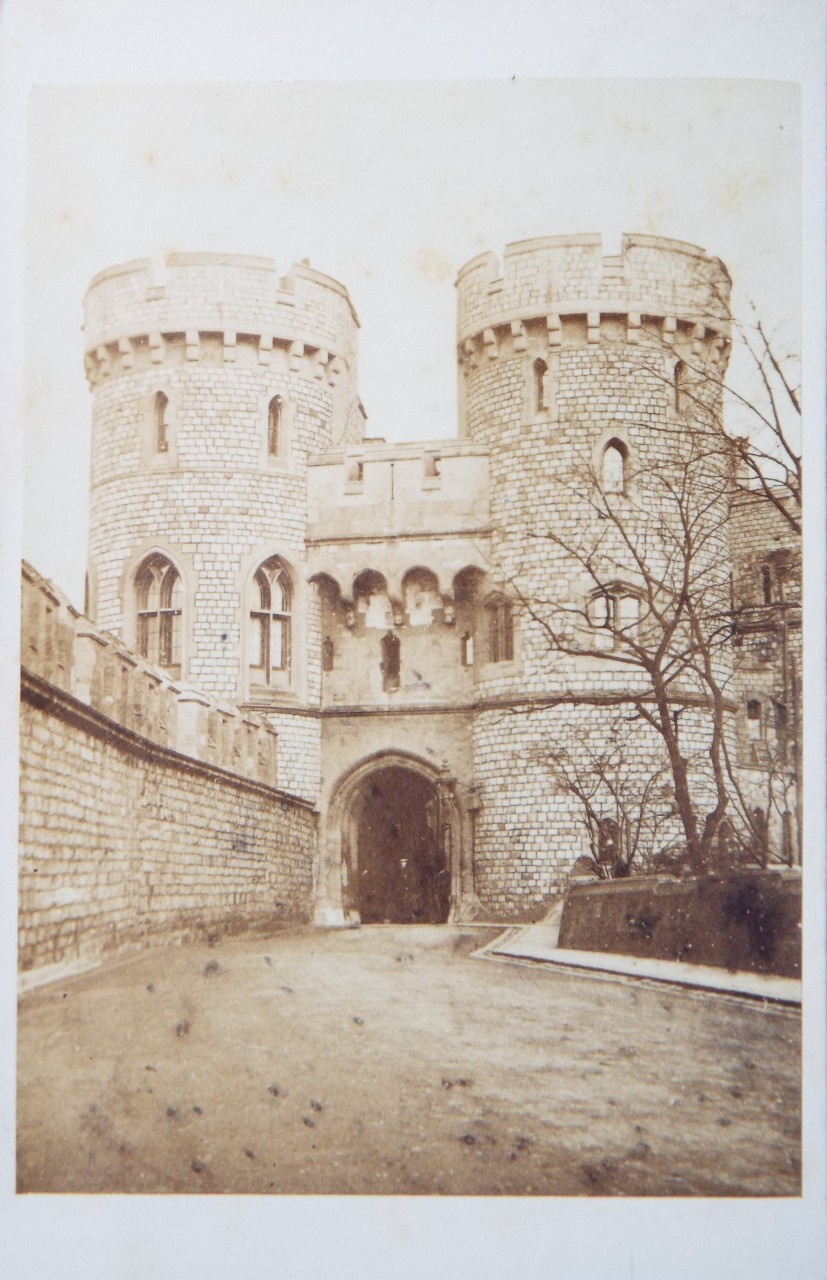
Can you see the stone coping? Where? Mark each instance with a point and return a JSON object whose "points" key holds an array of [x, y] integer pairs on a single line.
{"points": [[523, 944]]}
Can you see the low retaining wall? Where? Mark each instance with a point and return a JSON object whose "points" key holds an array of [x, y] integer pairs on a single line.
{"points": [[747, 920], [124, 841]]}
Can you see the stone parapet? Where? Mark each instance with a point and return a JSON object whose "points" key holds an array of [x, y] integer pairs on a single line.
{"points": [[554, 279], [65, 651], [145, 310]]}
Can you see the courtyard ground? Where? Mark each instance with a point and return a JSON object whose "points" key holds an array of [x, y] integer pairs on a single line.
{"points": [[387, 1060]]}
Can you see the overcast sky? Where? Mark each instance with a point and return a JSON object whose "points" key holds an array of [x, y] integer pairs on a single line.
{"points": [[390, 188]]}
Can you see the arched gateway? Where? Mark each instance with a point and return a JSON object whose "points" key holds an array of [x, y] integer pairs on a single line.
{"points": [[393, 830]]}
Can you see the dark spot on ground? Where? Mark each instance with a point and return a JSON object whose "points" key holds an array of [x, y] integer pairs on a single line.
{"points": [[149, 1068], [288, 990], [735, 1091], [724, 1122], [314, 1105], [182, 1029], [468, 1139], [198, 1111], [197, 1166], [275, 1090], [360, 1022], [267, 960], [210, 968], [171, 1112], [640, 1151], [251, 1155], [521, 1143], [150, 986], [309, 1121]]}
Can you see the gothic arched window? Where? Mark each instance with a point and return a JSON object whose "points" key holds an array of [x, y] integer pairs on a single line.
{"points": [[617, 609], [161, 423], [159, 596], [270, 609], [613, 467]]}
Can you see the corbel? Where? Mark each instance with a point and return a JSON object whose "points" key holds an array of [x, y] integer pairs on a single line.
{"points": [[489, 339], [265, 349], [633, 327], [698, 331], [104, 361], [519, 335], [296, 353], [126, 353], [593, 327], [230, 339], [191, 340], [156, 348], [555, 330]]}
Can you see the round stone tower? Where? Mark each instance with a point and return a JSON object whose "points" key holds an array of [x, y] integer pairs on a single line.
{"points": [[576, 369], [213, 380]]}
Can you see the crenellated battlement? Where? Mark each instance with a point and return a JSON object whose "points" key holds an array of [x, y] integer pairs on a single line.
{"points": [[63, 650], [567, 287], [217, 308]]}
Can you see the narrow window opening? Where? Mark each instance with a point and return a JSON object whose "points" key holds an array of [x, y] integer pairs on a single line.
{"points": [[680, 386], [270, 617], [766, 584], [391, 661], [467, 649], [540, 371], [327, 654], [613, 471], [161, 423], [500, 631], [754, 719], [274, 415]]}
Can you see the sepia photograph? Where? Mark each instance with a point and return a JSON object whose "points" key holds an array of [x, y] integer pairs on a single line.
{"points": [[412, 693]]}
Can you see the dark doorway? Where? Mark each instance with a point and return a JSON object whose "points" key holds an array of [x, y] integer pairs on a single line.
{"points": [[403, 877]]}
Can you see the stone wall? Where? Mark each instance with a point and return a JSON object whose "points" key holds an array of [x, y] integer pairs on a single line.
{"points": [[126, 835], [747, 921]]}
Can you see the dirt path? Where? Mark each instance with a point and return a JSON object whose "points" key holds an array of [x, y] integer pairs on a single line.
{"points": [[385, 1060]]}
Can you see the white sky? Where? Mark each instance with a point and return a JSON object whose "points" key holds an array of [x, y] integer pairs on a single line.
{"points": [[389, 187]]}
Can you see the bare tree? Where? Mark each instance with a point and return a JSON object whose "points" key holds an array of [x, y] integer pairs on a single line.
{"points": [[654, 593], [654, 601], [625, 814]]}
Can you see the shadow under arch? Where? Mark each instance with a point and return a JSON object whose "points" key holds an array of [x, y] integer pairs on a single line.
{"points": [[393, 843]]}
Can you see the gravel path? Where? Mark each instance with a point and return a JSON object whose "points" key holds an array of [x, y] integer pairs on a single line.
{"points": [[386, 1060]]}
